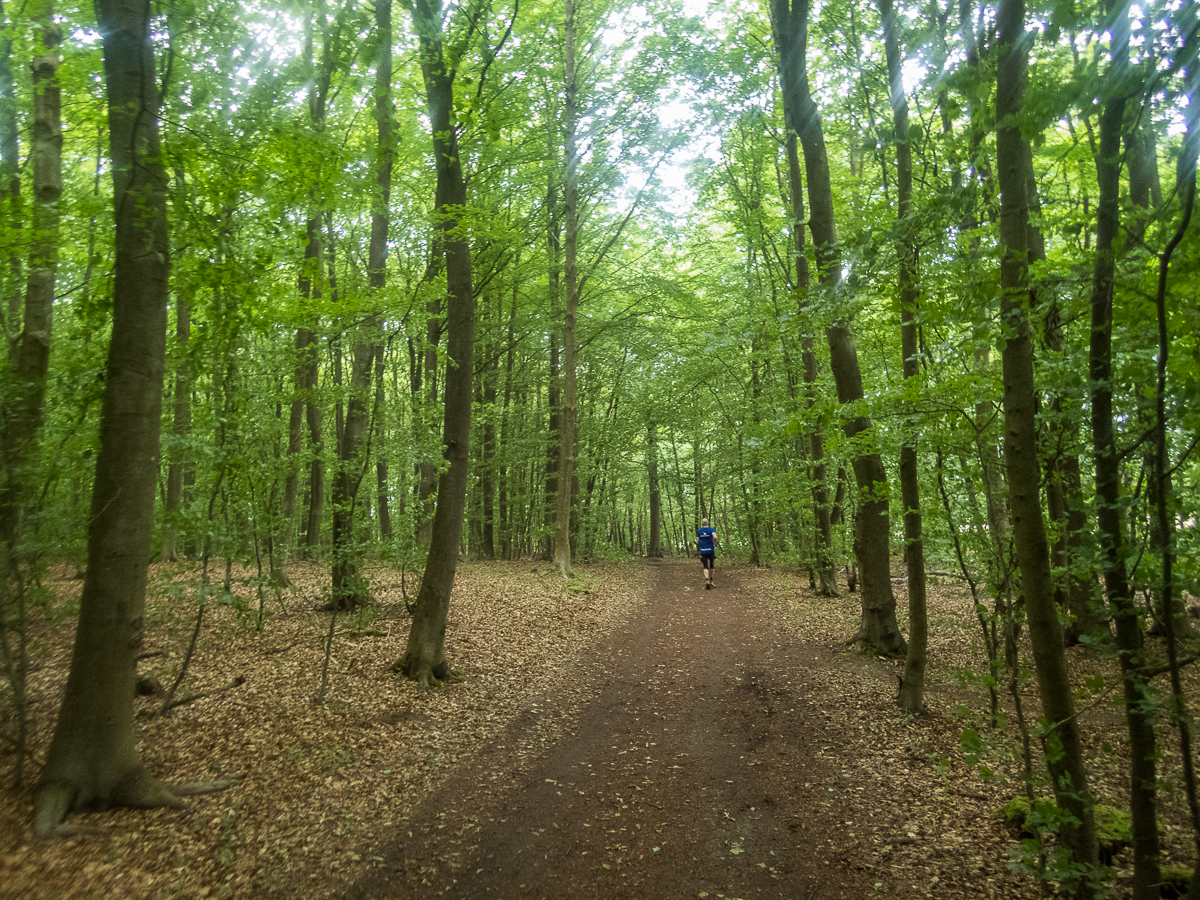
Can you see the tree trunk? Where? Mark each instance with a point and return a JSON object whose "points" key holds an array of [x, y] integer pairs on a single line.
{"points": [[487, 468], [22, 406], [306, 343], [93, 760], [310, 284], [181, 427], [424, 658], [791, 48], [381, 466], [10, 189], [1182, 718], [1140, 708], [553, 377], [912, 686], [1021, 456], [654, 549], [349, 587], [502, 504], [872, 536], [286, 531], [570, 349], [29, 355], [1145, 191], [427, 478]]}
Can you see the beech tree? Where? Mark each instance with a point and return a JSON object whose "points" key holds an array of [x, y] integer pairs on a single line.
{"points": [[912, 686], [349, 588], [23, 397], [1065, 760], [93, 760], [1139, 704], [871, 529], [424, 658]]}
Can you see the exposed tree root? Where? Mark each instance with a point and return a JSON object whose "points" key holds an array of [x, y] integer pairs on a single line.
{"points": [[427, 676], [869, 648], [198, 788], [56, 799], [51, 808]]}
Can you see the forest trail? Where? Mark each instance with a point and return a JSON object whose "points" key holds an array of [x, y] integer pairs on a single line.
{"points": [[704, 767]]}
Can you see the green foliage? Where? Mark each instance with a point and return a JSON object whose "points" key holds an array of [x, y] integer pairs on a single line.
{"points": [[1033, 822]]}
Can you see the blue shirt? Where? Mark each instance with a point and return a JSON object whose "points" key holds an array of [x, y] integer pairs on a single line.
{"points": [[704, 538]]}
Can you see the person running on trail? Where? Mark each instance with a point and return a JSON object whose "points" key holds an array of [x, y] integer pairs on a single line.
{"points": [[706, 543]]}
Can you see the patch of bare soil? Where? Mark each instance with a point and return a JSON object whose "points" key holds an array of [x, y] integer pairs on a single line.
{"points": [[633, 736]]}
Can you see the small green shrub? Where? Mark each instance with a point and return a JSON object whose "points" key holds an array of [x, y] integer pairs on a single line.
{"points": [[1175, 882], [1114, 827], [1013, 816]]}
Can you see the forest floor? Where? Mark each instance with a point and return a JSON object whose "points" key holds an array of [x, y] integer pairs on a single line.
{"points": [[632, 735]]}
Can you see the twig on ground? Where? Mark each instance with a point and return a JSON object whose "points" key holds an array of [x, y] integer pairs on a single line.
{"points": [[191, 698]]}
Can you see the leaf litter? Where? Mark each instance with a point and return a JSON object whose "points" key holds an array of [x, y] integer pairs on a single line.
{"points": [[321, 794]]}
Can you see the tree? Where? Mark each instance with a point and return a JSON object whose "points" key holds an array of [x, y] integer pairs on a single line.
{"points": [[654, 545], [569, 395], [871, 529], [1065, 750], [22, 408], [791, 46], [424, 658], [912, 686], [93, 760], [349, 588], [1140, 711]]}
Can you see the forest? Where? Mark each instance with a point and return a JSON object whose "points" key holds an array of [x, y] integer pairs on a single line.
{"points": [[888, 291]]}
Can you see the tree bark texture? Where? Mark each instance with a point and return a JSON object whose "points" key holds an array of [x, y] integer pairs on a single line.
{"points": [[424, 658], [29, 355], [181, 426], [872, 537], [912, 686], [654, 548], [569, 398], [791, 45], [311, 288], [553, 391], [1140, 708], [427, 479], [1021, 456], [10, 192], [382, 487], [93, 760], [487, 470], [349, 588]]}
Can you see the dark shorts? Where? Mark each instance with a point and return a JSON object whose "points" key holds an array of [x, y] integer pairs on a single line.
{"points": [[708, 559]]}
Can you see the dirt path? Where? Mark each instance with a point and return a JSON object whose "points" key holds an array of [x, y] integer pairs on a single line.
{"points": [[700, 770]]}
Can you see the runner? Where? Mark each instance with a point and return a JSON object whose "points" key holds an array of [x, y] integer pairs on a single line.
{"points": [[706, 543]]}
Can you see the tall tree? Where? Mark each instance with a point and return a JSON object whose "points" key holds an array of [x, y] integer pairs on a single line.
{"points": [[654, 545], [424, 658], [1065, 749], [569, 396], [822, 510], [1140, 711], [10, 183], [93, 760], [912, 687], [872, 532], [179, 472], [349, 587], [22, 409]]}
